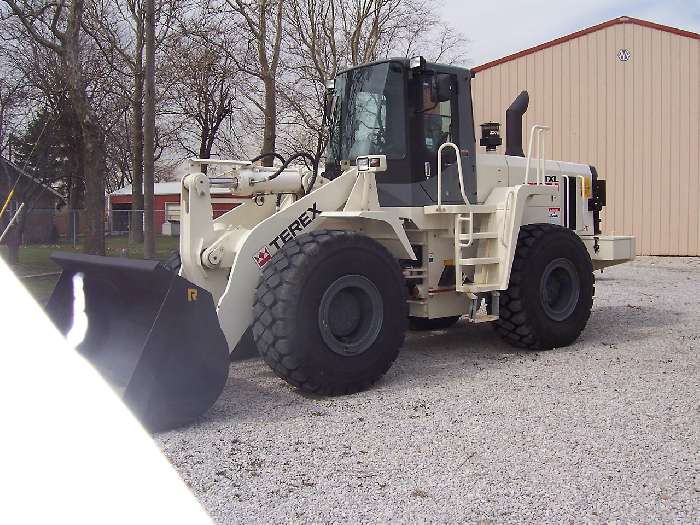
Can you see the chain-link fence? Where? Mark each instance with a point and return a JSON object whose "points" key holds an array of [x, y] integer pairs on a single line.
{"points": [[42, 231], [50, 226], [41, 226], [165, 221]]}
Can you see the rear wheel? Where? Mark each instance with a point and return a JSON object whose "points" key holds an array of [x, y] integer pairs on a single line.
{"points": [[330, 312], [422, 324], [550, 295]]}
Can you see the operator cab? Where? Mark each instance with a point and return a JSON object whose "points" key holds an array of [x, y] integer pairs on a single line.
{"points": [[404, 109]]}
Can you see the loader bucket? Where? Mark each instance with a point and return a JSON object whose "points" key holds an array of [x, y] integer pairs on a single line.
{"points": [[153, 336]]}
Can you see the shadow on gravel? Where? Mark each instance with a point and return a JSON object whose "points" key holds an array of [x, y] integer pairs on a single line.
{"points": [[613, 279], [461, 337], [253, 392], [629, 321], [245, 401], [464, 349]]}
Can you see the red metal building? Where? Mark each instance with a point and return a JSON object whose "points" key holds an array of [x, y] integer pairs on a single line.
{"points": [[166, 209]]}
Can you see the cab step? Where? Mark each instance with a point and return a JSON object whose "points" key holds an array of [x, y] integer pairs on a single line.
{"points": [[482, 318], [479, 261], [477, 235]]}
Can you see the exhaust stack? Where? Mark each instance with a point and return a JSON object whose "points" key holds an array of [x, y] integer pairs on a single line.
{"points": [[514, 125]]}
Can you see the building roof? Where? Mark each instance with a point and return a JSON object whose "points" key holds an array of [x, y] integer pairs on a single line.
{"points": [[577, 34], [163, 188], [19, 171]]}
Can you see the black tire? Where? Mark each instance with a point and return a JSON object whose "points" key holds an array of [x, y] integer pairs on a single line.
{"points": [[550, 294], [295, 329], [422, 324]]}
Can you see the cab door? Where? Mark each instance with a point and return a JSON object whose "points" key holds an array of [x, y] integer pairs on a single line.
{"points": [[438, 123]]}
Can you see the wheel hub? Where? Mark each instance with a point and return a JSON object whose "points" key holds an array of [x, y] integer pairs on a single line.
{"points": [[560, 288], [350, 315]]}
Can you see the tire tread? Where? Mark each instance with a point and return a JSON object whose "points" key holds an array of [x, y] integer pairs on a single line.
{"points": [[514, 325], [277, 294]]}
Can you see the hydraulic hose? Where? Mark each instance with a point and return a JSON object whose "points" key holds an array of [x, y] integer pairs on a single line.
{"points": [[313, 179], [266, 155]]}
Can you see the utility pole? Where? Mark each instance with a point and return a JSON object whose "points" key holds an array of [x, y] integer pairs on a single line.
{"points": [[149, 125]]}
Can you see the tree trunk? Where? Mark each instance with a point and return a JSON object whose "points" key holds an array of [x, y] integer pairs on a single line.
{"points": [[93, 148], [149, 124], [270, 130], [12, 243], [94, 187], [74, 199], [204, 148], [136, 223]]}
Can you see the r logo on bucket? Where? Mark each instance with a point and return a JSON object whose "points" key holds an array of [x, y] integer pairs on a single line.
{"points": [[262, 257]]}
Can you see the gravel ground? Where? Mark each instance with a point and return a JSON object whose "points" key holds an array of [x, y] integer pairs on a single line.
{"points": [[465, 428]]}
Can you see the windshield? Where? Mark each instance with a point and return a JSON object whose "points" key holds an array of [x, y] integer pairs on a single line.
{"points": [[368, 114]]}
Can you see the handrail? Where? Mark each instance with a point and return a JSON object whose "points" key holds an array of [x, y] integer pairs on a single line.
{"points": [[458, 230], [506, 215], [459, 171], [539, 129]]}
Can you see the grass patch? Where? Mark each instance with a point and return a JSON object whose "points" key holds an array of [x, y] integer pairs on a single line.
{"points": [[35, 260]]}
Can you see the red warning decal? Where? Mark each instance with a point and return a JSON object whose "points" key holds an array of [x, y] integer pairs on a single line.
{"points": [[262, 257], [554, 215]]}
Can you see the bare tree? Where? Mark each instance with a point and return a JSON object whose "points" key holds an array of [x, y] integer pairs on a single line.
{"points": [[57, 27], [260, 26], [48, 104], [288, 50], [203, 91], [326, 36], [149, 128], [118, 28], [11, 95]]}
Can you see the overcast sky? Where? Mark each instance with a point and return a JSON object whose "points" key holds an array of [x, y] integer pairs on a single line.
{"points": [[500, 27]]}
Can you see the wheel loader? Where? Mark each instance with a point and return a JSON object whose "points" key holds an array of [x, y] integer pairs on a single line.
{"points": [[408, 225]]}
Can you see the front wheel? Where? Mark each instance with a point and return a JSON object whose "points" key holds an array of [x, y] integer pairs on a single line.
{"points": [[550, 294], [330, 312]]}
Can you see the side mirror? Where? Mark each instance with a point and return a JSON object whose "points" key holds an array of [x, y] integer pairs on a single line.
{"points": [[443, 88], [439, 89]]}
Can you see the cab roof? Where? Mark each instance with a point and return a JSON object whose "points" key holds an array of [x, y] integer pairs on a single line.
{"points": [[405, 62]]}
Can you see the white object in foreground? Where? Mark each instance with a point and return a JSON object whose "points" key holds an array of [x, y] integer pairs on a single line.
{"points": [[72, 452]]}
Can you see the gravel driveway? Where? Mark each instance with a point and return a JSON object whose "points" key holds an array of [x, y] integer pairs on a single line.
{"points": [[465, 428]]}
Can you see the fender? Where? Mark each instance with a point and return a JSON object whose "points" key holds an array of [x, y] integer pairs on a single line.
{"points": [[255, 249], [383, 226], [512, 204]]}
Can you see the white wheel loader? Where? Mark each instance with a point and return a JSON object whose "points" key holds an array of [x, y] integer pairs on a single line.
{"points": [[409, 225]]}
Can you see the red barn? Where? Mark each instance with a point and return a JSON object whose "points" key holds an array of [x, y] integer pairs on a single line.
{"points": [[166, 208]]}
